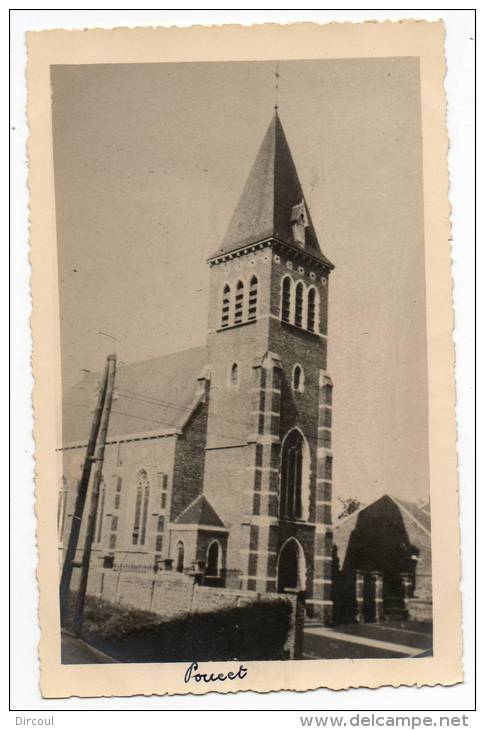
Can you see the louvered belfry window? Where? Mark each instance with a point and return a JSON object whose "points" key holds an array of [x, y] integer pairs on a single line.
{"points": [[311, 310], [299, 304], [226, 304], [286, 300], [239, 303], [253, 298]]}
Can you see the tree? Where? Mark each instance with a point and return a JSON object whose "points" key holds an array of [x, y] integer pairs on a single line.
{"points": [[349, 505]]}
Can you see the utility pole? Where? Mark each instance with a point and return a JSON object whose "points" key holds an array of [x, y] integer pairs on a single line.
{"points": [[98, 474], [70, 554]]}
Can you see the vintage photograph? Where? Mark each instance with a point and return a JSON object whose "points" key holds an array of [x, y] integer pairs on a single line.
{"points": [[246, 471], [244, 467]]}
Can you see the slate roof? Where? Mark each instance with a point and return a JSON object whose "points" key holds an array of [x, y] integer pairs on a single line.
{"points": [[420, 516], [200, 512], [151, 395], [271, 191]]}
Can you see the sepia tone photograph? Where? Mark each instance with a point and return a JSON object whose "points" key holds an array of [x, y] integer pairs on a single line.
{"points": [[244, 467], [242, 323]]}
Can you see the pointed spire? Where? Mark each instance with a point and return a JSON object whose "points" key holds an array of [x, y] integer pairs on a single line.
{"points": [[269, 199]]}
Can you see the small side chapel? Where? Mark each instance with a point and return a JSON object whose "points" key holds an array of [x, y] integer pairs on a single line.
{"points": [[219, 458]]}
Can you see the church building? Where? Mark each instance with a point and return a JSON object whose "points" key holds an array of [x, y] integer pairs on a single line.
{"points": [[218, 458]]}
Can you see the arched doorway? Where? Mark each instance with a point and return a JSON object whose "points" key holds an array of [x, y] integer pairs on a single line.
{"points": [[291, 567], [213, 560]]}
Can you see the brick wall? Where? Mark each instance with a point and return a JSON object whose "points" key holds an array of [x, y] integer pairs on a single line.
{"points": [[231, 478], [189, 461], [226, 488]]}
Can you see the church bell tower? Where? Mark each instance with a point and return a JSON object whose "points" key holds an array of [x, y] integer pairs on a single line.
{"points": [[268, 466]]}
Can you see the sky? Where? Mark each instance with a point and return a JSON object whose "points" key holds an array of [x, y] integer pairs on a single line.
{"points": [[150, 160]]}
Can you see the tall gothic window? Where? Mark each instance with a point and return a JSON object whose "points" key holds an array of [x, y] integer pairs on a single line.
{"points": [[141, 509], [312, 301], [226, 303], [253, 298], [292, 466], [239, 303], [286, 299], [137, 519], [299, 304]]}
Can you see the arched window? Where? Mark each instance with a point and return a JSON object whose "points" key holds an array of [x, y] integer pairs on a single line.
{"points": [[213, 560], [137, 519], [312, 310], [239, 303], [180, 557], [299, 304], [102, 496], [234, 378], [298, 382], [141, 509], [294, 477], [286, 299], [253, 298], [226, 303]]}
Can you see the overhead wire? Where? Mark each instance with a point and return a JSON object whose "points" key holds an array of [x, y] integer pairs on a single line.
{"points": [[133, 395]]}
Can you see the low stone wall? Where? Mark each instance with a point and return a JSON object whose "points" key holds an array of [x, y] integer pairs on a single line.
{"points": [[174, 595]]}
